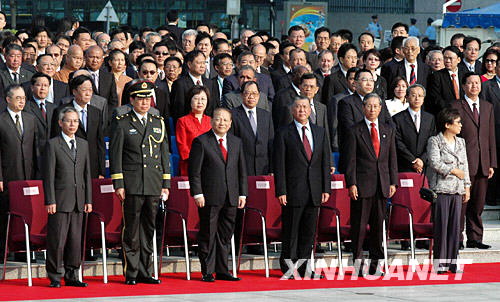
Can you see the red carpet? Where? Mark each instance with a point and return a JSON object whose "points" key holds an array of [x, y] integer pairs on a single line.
{"points": [[251, 281]]}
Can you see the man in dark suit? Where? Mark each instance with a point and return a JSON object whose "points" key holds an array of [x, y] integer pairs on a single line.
{"points": [[285, 96], [350, 112], [217, 160], [336, 82], [68, 193], [478, 130], [172, 25], [43, 110], [104, 82], [13, 73], [234, 99], [297, 58], [57, 89], [371, 177], [398, 56], [322, 41], [281, 64], [301, 152], [411, 68], [90, 127], [18, 134], [231, 82], [139, 163], [413, 128], [195, 61], [470, 63], [325, 61], [444, 85]]}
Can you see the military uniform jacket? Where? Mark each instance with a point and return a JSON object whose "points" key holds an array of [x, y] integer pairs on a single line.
{"points": [[139, 158]]}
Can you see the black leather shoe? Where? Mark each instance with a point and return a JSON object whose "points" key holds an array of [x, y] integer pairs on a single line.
{"points": [[226, 277], [208, 278], [75, 283], [405, 245], [477, 244], [130, 282], [55, 284], [461, 247], [148, 280]]}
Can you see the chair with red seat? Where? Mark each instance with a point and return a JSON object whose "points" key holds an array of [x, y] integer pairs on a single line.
{"points": [[262, 218], [410, 217], [27, 220], [105, 222]]}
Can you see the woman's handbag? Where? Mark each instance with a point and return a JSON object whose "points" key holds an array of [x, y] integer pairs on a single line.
{"points": [[426, 193]]}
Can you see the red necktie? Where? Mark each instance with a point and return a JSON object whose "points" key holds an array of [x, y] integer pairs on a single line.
{"points": [[153, 104], [305, 142], [325, 75], [375, 141], [413, 78], [222, 149], [475, 113], [455, 86], [44, 113], [198, 82]]}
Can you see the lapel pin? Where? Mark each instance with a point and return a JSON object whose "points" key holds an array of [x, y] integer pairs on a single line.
{"points": [[383, 135]]}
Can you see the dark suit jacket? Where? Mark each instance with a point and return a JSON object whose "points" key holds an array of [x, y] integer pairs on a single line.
{"points": [[211, 176], [107, 89], [440, 92], [162, 101], [258, 148], [411, 144], [131, 72], [6, 80], [265, 85], [462, 68], [67, 182], [399, 70], [44, 126], [177, 31], [491, 93], [334, 84], [276, 74], [61, 90], [295, 176], [364, 169], [284, 82], [312, 59], [17, 154], [94, 135], [283, 99], [479, 138], [182, 106], [350, 112]]}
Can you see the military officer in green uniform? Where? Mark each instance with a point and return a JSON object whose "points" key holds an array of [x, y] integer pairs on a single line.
{"points": [[139, 162]]}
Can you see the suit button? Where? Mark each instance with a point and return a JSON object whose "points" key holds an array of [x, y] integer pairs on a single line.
{"points": [[156, 156], [156, 146], [145, 166], [144, 146], [144, 155]]}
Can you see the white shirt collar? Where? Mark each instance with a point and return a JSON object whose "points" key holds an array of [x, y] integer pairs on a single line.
{"points": [[369, 124], [407, 64], [38, 101], [343, 70], [413, 113], [224, 138], [13, 114], [470, 102], [287, 70], [299, 125], [68, 139], [18, 70], [139, 116], [296, 88], [78, 107], [254, 110], [195, 79]]}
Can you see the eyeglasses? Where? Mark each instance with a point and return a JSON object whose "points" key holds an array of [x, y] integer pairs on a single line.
{"points": [[250, 94], [159, 53], [150, 72], [491, 61], [364, 80]]}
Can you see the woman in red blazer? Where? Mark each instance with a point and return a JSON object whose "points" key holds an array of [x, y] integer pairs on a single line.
{"points": [[192, 125]]}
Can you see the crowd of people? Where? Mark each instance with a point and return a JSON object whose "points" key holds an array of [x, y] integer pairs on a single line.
{"points": [[257, 105]]}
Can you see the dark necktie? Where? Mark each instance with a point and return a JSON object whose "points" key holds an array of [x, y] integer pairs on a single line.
{"points": [[143, 121], [73, 149], [475, 112], [222, 149], [16, 77], [198, 82], [84, 119], [312, 117], [18, 125], [375, 140], [413, 77], [42, 108], [305, 142], [455, 86], [253, 123]]}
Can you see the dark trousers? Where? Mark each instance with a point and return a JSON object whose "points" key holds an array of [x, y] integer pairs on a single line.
{"points": [[4, 209], [368, 211], [297, 231], [64, 245], [446, 229], [472, 210], [139, 214], [214, 237]]}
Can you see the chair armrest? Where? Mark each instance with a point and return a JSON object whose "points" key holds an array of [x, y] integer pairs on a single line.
{"points": [[18, 215], [335, 210], [402, 206], [255, 210], [98, 214], [175, 212]]}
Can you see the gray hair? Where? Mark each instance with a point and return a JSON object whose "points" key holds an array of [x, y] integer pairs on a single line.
{"points": [[408, 90], [324, 52], [300, 98], [410, 38], [150, 35], [432, 52], [244, 31], [371, 96], [66, 110], [189, 32], [9, 92], [246, 67]]}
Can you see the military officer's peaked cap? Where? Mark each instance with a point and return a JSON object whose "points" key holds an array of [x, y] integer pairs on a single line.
{"points": [[141, 88]]}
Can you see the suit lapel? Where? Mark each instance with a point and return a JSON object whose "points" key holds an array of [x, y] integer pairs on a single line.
{"points": [[295, 133], [496, 89], [410, 122], [136, 123], [65, 147], [244, 118], [9, 121], [358, 104], [383, 133], [316, 140], [365, 135], [38, 112], [466, 108], [215, 144]]}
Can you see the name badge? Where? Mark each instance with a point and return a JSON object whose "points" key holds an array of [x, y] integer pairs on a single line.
{"points": [[336, 185], [132, 131], [183, 185], [107, 189], [262, 185], [157, 130], [406, 183], [30, 191]]}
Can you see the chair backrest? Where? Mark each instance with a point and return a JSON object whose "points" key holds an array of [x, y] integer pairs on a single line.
{"points": [[27, 199], [339, 198], [408, 195], [180, 200], [261, 196], [107, 204], [327, 217]]}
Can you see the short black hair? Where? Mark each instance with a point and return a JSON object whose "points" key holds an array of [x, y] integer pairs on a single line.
{"points": [[117, 31], [468, 75], [268, 46], [322, 30], [28, 44], [11, 47], [456, 36], [75, 82], [470, 39], [173, 58], [172, 15], [295, 28], [11, 39], [141, 57], [38, 75], [285, 44], [42, 56], [136, 45], [246, 84], [366, 33], [345, 34], [40, 29], [220, 57], [360, 71], [344, 48], [218, 42], [397, 42], [453, 49], [190, 56], [80, 30], [351, 70], [203, 36], [147, 61], [399, 24], [63, 37], [446, 116], [308, 76]]}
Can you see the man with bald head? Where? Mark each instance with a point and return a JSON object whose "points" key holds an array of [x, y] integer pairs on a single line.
{"points": [[260, 53], [103, 82], [73, 62]]}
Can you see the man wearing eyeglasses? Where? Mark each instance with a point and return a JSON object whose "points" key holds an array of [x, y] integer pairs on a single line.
{"points": [[235, 98], [56, 53]]}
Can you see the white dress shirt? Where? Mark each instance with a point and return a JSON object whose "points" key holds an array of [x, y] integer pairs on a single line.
{"points": [[395, 106], [79, 110], [456, 77], [13, 116], [195, 79], [470, 66], [254, 110], [139, 116], [94, 75], [369, 125], [418, 116], [287, 70], [308, 132], [408, 70], [18, 71], [471, 102], [68, 139]]}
